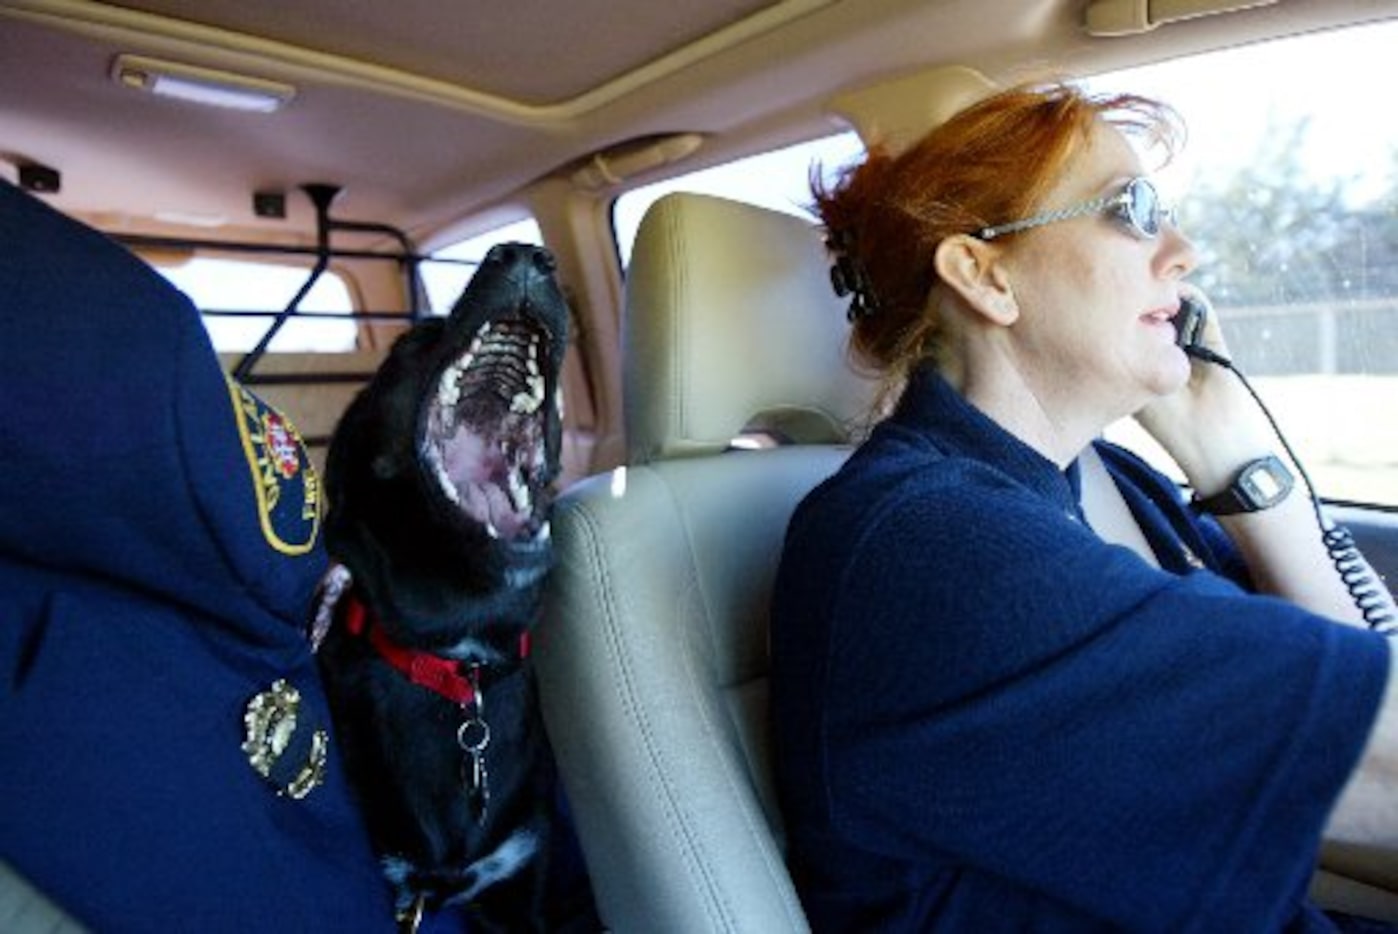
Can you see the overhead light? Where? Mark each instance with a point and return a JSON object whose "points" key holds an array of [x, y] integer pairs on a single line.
{"points": [[191, 218], [198, 85]]}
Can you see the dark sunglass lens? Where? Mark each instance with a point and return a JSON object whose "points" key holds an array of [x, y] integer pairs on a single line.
{"points": [[1144, 205]]}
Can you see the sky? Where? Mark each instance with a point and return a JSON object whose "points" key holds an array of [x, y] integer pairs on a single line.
{"points": [[1342, 79]]}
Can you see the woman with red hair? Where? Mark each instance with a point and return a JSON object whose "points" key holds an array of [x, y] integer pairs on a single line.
{"points": [[992, 712]]}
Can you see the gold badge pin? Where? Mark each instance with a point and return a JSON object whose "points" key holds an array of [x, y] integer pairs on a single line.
{"points": [[270, 724]]}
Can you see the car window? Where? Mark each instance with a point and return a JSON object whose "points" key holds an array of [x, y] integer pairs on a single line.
{"points": [[1288, 188], [454, 264], [779, 180], [238, 298]]}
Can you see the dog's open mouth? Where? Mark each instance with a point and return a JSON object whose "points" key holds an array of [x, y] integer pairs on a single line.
{"points": [[483, 436]]}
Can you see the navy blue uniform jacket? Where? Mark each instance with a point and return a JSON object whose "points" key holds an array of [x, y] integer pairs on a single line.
{"points": [[159, 547], [989, 719]]}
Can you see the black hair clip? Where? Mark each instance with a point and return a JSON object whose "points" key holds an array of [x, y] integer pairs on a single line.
{"points": [[849, 277]]}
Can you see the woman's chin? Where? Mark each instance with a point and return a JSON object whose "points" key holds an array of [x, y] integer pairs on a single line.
{"points": [[1168, 372]]}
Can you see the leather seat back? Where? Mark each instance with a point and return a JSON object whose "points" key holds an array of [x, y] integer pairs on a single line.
{"points": [[653, 651]]}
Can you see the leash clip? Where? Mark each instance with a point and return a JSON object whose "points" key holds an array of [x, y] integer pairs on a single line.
{"points": [[473, 736]]}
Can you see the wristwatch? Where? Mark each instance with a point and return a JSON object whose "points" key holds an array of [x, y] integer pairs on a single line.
{"points": [[1261, 484]]}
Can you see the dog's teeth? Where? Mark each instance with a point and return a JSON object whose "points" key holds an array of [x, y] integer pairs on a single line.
{"points": [[528, 402], [444, 481], [491, 529], [449, 389], [519, 493], [450, 491]]}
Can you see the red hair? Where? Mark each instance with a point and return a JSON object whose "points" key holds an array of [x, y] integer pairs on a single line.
{"points": [[990, 163]]}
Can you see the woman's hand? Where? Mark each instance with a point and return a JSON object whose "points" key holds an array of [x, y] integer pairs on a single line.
{"points": [[1211, 426]]}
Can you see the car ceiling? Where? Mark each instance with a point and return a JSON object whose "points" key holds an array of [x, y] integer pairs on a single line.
{"points": [[426, 110]]}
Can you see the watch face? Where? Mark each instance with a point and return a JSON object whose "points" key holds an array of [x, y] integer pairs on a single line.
{"points": [[1266, 484]]}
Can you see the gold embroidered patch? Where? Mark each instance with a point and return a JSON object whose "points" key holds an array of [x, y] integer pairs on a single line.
{"points": [[285, 480], [270, 725]]}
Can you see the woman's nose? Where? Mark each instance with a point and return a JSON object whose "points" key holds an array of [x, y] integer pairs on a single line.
{"points": [[1177, 255]]}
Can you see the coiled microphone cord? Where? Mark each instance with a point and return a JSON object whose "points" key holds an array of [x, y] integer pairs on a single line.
{"points": [[1369, 593]]}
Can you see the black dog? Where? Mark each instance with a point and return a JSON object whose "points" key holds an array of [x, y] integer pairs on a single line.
{"points": [[438, 482]]}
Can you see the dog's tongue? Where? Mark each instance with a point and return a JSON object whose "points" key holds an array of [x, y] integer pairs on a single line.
{"points": [[480, 473], [488, 503]]}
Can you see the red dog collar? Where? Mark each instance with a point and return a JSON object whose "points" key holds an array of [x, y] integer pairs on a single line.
{"points": [[444, 676]]}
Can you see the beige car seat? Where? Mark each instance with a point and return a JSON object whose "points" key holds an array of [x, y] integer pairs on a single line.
{"points": [[653, 651]]}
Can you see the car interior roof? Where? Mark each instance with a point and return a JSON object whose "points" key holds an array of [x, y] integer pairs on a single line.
{"points": [[425, 113]]}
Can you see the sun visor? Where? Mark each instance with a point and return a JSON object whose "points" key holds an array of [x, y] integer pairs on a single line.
{"points": [[897, 112]]}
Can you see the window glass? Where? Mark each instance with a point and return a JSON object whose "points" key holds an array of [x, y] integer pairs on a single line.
{"points": [[779, 180], [445, 279], [231, 292], [1288, 188]]}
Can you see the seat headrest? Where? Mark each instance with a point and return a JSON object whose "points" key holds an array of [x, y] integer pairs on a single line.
{"points": [[731, 325]]}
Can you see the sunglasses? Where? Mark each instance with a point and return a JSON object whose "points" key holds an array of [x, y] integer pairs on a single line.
{"points": [[1138, 206]]}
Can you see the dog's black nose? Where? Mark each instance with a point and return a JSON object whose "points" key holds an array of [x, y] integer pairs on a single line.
{"points": [[544, 261], [513, 255]]}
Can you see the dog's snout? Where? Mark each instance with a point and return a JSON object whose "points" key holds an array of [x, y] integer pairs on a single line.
{"points": [[514, 255], [515, 280]]}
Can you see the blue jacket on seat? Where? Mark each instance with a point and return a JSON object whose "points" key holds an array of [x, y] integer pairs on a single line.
{"points": [[159, 552]]}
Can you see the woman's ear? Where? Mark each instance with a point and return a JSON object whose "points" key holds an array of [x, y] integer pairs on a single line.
{"points": [[975, 270]]}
